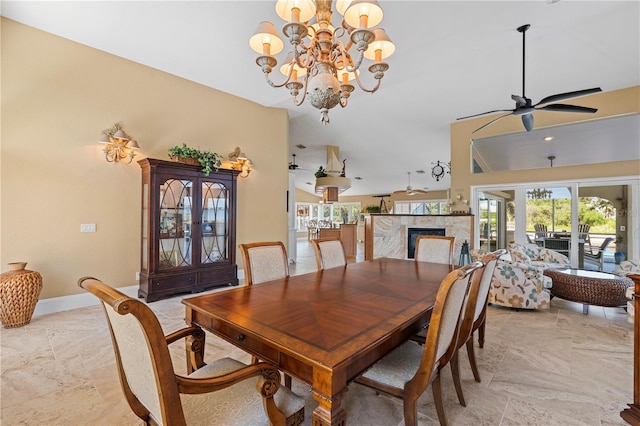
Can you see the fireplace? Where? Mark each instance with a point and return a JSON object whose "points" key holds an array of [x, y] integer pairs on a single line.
{"points": [[412, 235]]}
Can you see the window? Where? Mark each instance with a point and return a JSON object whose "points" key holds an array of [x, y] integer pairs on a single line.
{"points": [[432, 207], [336, 213]]}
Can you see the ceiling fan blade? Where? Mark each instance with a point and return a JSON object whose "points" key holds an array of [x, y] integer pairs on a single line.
{"points": [[492, 121], [484, 113], [568, 108], [568, 95], [527, 120]]}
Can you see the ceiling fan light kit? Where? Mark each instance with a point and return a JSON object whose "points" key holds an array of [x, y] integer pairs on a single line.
{"points": [[321, 64], [525, 107]]}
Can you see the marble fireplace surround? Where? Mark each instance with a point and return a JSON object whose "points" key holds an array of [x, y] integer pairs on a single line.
{"points": [[386, 235]]}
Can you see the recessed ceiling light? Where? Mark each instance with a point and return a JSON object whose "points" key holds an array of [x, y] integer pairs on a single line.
{"points": [[419, 172], [300, 146], [357, 178], [309, 183], [548, 138]]}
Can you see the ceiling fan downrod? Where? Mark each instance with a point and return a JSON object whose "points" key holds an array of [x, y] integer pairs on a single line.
{"points": [[523, 29]]}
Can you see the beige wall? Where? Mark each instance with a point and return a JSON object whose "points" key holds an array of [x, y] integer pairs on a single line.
{"points": [[609, 104], [57, 96]]}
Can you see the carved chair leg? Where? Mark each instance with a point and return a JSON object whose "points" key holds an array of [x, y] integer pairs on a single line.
{"points": [[410, 411], [437, 398], [481, 333], [455, 372], [472, 359]]}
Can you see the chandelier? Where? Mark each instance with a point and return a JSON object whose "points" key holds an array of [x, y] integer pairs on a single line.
{"points": [[320, 64], [539, 194]]}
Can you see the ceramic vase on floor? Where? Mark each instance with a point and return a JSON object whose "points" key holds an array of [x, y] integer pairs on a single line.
{"points": [[19, 291]]}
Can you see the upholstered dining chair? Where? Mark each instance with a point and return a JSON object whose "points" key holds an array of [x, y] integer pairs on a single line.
{"points": [[408, 370], [435, 248], [264, 261], [225, 391], [329, 253], [474, 318]]}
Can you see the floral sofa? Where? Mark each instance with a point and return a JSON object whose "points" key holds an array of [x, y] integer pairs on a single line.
{"points": [[517, 284], [532, 254], [628, 267]]}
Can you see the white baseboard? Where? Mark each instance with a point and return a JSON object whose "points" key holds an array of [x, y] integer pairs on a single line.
{"points": [[82, 300], [75, 301]]}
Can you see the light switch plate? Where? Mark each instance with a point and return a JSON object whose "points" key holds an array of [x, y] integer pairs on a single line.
{"points": [[88, 227], [623, 228]]}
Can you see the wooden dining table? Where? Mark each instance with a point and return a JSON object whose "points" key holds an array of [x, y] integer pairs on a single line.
{"points": [[325, 328]]}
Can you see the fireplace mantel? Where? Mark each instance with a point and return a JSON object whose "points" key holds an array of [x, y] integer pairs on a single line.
{"points": [[386, 234]]}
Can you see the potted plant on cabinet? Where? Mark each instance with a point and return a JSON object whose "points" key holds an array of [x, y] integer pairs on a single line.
{"points": [[209, 161]]}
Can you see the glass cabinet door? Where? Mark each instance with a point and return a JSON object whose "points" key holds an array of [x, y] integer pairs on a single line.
{"points": [[175, 224], [215, 222]]}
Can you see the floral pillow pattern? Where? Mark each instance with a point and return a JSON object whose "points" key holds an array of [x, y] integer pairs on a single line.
{"points": [[519, 286], [519, 253]]}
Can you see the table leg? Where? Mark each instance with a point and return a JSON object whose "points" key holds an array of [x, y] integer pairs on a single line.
{"points": [[585, 309], [329, 411]]}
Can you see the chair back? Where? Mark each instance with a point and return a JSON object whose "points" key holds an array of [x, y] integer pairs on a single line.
{"points": [[329, 253], [142, 355], [490, 261], [600, 253], [447, 310], [541, 230], [604, 246], [478, 294], [583, 229], [264, 261], [434, 248]]}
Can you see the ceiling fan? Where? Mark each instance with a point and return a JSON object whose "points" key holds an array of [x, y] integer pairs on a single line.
{"points": [[410, 190], [293, 165], [524, 106]]}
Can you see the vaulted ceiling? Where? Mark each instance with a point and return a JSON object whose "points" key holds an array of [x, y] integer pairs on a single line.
{"points": [[452, 59]]}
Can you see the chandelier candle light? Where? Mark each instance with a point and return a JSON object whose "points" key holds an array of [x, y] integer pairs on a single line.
{"points": [[323, 66]]}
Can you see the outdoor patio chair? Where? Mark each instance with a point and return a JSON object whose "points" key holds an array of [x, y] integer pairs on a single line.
{"points": [[597, 258]]}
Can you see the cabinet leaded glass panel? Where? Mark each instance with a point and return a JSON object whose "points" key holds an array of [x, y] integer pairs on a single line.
{"points": [[215, 222], [175, 224]]}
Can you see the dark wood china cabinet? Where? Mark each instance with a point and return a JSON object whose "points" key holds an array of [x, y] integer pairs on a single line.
{"points": [[188, 229]]}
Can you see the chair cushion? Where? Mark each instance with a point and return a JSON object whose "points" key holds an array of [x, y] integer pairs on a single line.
{"points": [[240, 404], [398, 367]]}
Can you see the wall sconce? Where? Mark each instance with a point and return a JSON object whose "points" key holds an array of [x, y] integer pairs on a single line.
{"points": [[458, 199], [239, 161], [118, 144]]}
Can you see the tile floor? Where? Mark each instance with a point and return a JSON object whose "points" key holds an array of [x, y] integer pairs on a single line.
{"points": [[552, 367]]}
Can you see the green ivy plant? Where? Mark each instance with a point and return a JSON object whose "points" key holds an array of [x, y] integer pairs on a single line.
{"points": [[209, 161], [321, 172]]}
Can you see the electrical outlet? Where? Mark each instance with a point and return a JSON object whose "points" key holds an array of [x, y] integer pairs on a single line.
{"points": [[623, 228], [88, 227]]}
